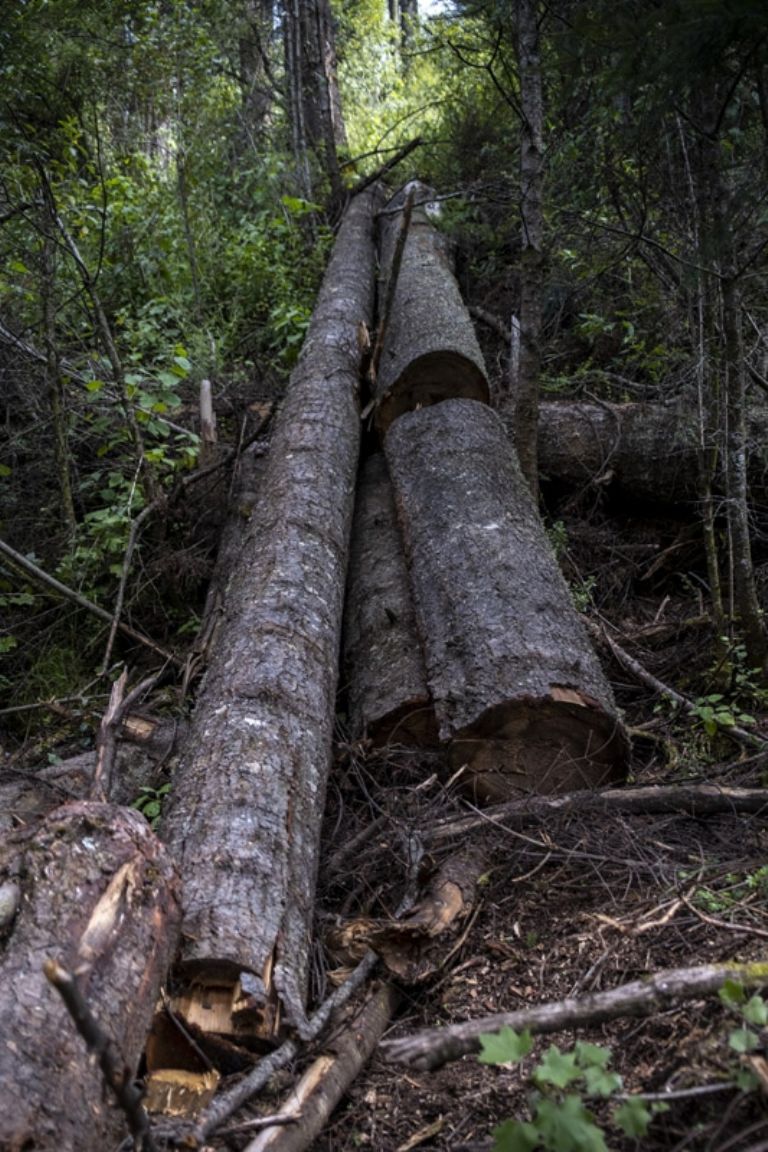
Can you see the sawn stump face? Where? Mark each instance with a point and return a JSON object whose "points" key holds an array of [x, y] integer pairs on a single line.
{"points": [[518, 690]]}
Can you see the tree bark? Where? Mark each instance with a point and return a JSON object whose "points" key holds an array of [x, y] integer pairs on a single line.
{"points": [[387, 694], [518, 690], [98, 893], [647, 452], [526, 381], [430, 350], [244, 818]]}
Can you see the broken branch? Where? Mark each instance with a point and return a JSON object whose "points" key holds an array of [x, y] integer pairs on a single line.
{"points": [[433, 1047]]}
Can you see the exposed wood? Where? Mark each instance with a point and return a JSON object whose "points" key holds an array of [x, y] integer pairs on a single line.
{"points": [[387, 694], [208, 437], [645, 451], [244, 817], [413, 948], [327, 1079], [430, 351], [434, 1047], [518, 691], [99, 895], [697, 800], [387, 303]]}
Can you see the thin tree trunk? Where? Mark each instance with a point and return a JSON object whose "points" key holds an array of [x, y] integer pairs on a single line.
{"points": [[244, 817], [526, 396], [56, 393], [518, 691]]}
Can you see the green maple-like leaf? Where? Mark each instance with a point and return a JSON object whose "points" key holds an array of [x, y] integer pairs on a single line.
{"points": [[557, 1068], [505, 1046]]}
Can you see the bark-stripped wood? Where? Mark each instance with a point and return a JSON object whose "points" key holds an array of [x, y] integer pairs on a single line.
{"points": [[649, 452], [97, 892], [387, 694], [518, 689], [430, 349], [245, 815], [327, 1079]]}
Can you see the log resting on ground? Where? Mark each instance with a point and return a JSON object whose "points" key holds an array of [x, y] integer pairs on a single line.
{"points": [[430, 349], [388, 698], [244, 817], [518, 690], [96, 891], [646, 451]]}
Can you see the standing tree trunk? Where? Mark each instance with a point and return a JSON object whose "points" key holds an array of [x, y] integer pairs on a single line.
{"points": [[96, 892], [430, 351], [314, 101], [244, 817], [526, 385], [388, 698], [518, 690]]}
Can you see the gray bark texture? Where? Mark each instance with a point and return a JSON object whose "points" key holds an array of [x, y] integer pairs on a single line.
{"points": [[244, 818], [387, 694], [95, 890], [649, 452], [518, 689], [430, 350]]}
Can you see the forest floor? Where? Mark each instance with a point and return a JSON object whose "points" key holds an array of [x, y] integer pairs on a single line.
{"points": [[583, 904]]}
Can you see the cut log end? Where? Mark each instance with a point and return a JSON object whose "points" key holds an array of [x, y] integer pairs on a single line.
{"points": [[551, 746], [430, 379]]}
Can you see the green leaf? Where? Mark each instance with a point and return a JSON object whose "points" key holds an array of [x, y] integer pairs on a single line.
{"points": [[5, 470], [505, 1046], [591, 1054], [743, 1040], [633, 1117], [732, 993], [557, 1068], [515, 1136], [567, 1126], [600, 1082], [94, 385], [756, 1011]]}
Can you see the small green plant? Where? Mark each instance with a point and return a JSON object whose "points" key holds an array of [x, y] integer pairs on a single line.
{"points": [[715, 712], [753, 1013], [560, 1120], [150, 802]]}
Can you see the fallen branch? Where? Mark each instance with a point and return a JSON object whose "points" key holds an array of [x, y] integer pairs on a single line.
{"points": [[389, 296], [228, 1103], [740, 735], [48, 581], [98, 1043], [314, 1098], [381, 172], [691, 799], [433, 1047]]}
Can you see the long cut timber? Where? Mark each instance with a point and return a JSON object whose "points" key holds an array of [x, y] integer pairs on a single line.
{"points": [[387, 694], [518, 690], [430, 349], [95, 890], [245, 813], [647, 452]]}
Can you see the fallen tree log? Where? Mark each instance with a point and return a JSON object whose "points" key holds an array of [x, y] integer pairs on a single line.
{"points": [[518, 690], [430, 350], [434, 1047], [244, 817], [648, 452], [97, 892], [387, 694]]}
